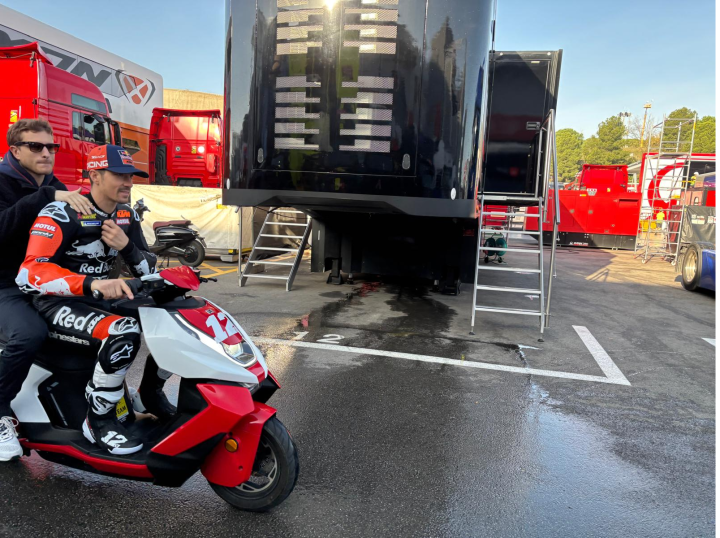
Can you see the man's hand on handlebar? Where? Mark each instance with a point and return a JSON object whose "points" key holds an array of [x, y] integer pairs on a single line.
{"points": [[112, 289]]}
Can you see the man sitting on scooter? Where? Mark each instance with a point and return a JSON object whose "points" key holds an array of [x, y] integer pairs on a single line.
{"points": [[66, 266]]}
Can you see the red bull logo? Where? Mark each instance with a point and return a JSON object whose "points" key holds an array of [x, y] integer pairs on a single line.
{"points": [[125, 157]]}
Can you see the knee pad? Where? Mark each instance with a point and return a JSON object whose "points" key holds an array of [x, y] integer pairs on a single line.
{"points": [[121, 346]]}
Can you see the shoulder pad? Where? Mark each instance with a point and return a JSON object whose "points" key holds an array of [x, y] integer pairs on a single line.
{"points": [[58, 211]]}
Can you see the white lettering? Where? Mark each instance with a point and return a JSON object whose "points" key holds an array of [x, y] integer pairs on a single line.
{"points": [[87, 268], [69, 320], [80, 322], [42, 226], [94, 322], [67, 338], [59, 317]]}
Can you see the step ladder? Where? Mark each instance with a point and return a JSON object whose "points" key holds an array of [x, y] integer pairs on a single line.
{"points": [[509, 221], [507, 229], [269, 230]]}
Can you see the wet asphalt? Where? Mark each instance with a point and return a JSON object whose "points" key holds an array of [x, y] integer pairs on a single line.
{"points": [[397, 447]]}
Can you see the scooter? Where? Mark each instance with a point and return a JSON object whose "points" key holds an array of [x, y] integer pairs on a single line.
{"points": [[222, 427], [174, 237]]}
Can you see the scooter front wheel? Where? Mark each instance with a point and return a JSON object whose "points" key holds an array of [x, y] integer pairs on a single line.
{"points": [[275, 472], [194, 254]]}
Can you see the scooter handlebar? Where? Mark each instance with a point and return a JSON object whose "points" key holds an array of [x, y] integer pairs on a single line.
{"points": [[135, 285]]}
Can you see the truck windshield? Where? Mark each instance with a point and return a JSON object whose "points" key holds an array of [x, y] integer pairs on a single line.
{"points": [[87, 128]]}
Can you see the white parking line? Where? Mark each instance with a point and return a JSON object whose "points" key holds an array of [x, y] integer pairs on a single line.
{"points": [[604, 361], [710, 341], [615, 379]]}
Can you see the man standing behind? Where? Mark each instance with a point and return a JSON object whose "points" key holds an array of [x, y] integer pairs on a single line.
{"points": [[27, 184]]}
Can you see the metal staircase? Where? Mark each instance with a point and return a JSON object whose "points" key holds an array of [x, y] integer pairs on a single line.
{"points": [[666, 178], [261, 247], [509, 223]]}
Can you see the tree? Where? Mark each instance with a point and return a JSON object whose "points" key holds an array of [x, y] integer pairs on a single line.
{"points": [[591, 152], [705, 135], [636, 142], [608, 146], [569, 153], [611, 134]]}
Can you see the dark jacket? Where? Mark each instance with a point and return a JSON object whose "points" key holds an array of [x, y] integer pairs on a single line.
{"points": [[20, 202]]}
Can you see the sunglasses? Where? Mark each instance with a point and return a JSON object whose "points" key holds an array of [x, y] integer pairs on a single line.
{"points": [[37, 147]]}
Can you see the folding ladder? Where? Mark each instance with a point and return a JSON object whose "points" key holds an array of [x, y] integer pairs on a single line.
{"points": [[484, 231], [506, 218], [260, 247]]}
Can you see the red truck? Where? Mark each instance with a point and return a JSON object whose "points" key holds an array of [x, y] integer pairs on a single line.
{"points": [[33, 88], [186, 148], [600, 209]]}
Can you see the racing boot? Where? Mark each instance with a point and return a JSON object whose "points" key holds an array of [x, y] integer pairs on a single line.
{"points": [[120, 343], [107, 432], [151, 397]]}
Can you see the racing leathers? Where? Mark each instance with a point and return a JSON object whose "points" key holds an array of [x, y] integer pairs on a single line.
{"points": [[65, 254]]}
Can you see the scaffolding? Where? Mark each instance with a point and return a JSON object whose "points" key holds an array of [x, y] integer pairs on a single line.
{"points": [[665, 178]]}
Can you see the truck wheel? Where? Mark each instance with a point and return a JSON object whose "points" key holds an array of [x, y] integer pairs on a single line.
{"points": [[194, 254], [691, 268], [275, 472]]}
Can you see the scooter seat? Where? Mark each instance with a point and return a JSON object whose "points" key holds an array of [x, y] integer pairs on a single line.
{"points": [[162, 223]]}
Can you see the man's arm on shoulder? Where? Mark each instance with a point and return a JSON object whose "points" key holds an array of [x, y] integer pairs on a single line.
{"points": [[50, 236]]}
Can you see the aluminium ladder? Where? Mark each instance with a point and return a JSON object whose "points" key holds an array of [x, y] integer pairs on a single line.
{"points": [[547, 168], [537, 269], [260, 247]]}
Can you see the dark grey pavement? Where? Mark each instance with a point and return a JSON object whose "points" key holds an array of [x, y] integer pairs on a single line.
{"points": [[393, 446]]}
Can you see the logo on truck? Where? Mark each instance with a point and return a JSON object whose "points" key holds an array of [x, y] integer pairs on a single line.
{"points": [[137, 90], [98, 74]]}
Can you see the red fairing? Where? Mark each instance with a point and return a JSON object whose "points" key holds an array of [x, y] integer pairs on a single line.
{"points": [[213, 322], [231, 469], [271, 376], [258, 371], [106, 466], [182, 276], [227, 405]]}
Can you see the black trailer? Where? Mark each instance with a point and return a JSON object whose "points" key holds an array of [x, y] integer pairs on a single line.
{"points": [[383, 120]]}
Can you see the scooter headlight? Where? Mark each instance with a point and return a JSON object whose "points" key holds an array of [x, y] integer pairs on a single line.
{"points": [[241, 353]]}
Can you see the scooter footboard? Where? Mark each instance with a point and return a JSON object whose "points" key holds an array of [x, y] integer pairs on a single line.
{"points": [[229, 466]]}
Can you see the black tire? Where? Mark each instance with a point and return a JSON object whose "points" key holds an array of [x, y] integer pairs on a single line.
{"points": [[278, 448], [691, 268], [115, 269], [119, 269], [194, 254]]}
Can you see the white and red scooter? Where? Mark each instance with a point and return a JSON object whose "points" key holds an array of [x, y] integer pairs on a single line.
{"points": [[222, 426]]}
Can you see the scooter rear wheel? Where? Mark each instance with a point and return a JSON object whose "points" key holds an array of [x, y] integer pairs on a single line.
{"points": [[194, 254], [275, 472]]}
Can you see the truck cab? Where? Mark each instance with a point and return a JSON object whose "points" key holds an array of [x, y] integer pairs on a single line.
{"points": [[185, 148], [76, 109]]}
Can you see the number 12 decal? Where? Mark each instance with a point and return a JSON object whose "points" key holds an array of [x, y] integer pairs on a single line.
{"points": [[221, 333]]}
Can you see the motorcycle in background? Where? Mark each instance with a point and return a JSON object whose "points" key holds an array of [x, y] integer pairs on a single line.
{"points": [[172, 237]]}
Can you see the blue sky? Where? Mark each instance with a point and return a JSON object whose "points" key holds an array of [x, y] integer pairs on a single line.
{"points": [[617, 53]]}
